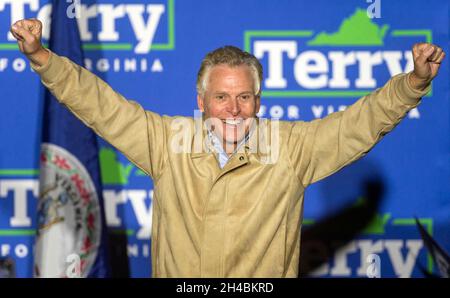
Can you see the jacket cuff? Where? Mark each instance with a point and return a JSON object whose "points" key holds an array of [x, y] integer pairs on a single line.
{"points": [[50, 71], [407, 93]]}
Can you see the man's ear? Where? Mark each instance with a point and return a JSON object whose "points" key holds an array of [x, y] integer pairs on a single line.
{"points": [[200, 103], [257, 103]]}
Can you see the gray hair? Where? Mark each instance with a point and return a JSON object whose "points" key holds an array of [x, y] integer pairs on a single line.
{"points": [[231, 56]]}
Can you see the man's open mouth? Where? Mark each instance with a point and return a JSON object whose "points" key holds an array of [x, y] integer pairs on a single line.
{"points": [[234, 122]]}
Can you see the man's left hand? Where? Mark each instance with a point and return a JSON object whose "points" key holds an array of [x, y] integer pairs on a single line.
{"points": [[427, 60]]}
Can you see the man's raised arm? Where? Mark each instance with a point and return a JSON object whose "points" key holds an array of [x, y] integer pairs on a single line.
{"points": [[321, 147], [137, 133]]}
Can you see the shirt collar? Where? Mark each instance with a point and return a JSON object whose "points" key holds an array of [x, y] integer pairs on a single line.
{"points": [[217, 145]]}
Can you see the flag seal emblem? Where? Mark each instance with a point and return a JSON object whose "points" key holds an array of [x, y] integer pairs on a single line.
{"points": [[68, 214]]}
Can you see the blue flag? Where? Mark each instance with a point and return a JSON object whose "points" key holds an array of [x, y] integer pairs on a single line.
{"points": [[71, 234]]}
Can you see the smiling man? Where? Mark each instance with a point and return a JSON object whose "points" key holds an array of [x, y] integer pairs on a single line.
{"points": [[225, 211], [228, 87]]}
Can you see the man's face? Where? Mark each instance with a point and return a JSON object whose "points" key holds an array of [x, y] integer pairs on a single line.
{"points": [[230, 102]]}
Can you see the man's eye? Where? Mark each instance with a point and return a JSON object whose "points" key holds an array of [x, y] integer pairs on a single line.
{"points": [[245, 97], [220, 97]]}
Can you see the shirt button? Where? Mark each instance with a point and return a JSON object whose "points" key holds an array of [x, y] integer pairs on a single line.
{"points": [[241, 158]]}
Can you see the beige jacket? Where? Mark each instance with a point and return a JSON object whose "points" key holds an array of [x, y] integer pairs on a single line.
{"points": [[243, 220]]}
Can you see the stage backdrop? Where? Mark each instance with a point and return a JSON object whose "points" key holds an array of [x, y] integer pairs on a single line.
{"points": [[318, 56]]}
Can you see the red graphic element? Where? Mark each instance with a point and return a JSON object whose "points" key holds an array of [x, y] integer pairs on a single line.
{"points": [[79, 184], [86, 244], [82, 266], [61, 163], [43, 157], [90, 221]]}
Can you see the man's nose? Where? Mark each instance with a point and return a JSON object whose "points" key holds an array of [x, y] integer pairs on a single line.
{"points": [[233, 107]]}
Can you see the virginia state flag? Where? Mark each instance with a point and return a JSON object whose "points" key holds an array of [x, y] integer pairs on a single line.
{"points": [[71, 233]]}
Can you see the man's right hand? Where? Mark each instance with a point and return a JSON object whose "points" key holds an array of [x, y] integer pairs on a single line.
{"points": [[28, 34]]}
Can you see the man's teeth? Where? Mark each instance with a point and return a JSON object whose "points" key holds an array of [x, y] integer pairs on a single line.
{"points": [[232, 121]]}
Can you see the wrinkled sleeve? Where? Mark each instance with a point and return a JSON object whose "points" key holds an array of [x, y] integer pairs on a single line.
{"points": [[137, 133], [322, 147]]}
